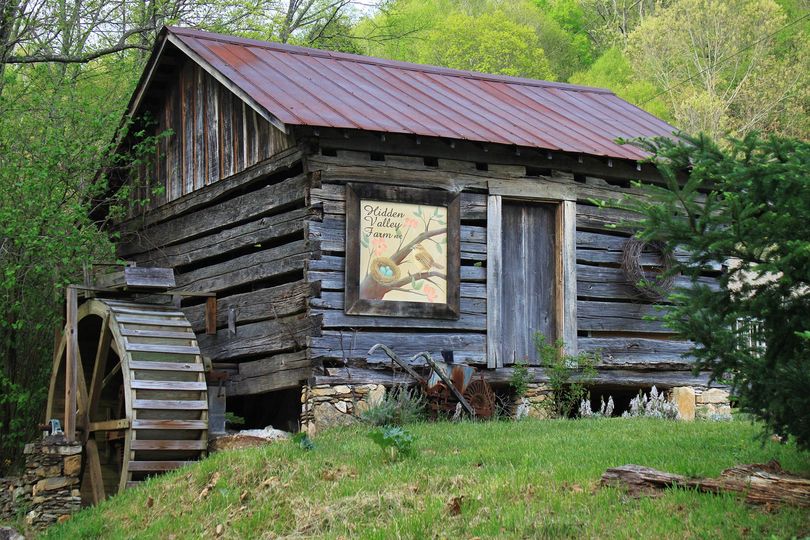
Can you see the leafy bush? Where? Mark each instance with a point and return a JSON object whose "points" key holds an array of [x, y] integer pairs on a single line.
{"points": [[401, 405], [568, 376], [233, 419], [520, 379], [394, 441]]}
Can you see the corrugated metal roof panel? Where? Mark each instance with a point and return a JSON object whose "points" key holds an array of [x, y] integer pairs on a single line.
{"points": [[311, 87]]}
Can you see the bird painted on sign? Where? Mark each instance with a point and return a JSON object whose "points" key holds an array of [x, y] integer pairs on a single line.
{"points": [[425, 259]]}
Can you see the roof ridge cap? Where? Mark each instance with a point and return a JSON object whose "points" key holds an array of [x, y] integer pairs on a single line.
{"points": [[384, 62]]}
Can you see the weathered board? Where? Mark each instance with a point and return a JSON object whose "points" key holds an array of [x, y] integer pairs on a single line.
{"points": [[528, 277], [206, 133]]}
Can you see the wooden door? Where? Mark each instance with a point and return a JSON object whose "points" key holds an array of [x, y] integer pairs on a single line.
{"points": [[528, 279]]}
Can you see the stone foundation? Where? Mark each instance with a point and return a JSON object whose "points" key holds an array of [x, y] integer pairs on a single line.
{"points": [[48, 490], [701, 404], [324, 406], [712, 404], [531, 404]]}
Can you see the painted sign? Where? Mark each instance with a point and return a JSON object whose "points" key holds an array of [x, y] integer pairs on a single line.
{"points": [[403, 252]]}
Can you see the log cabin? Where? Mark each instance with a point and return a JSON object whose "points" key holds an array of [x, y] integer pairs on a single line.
{"points": [[334, 201]]}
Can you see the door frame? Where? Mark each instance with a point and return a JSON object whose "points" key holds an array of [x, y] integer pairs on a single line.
{"points": [[565, 295]]}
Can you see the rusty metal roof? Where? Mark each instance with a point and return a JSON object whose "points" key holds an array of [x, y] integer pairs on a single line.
{"points": [[310, 87]]}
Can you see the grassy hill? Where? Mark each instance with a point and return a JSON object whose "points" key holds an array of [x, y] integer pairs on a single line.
{"points": [[529, 479]]}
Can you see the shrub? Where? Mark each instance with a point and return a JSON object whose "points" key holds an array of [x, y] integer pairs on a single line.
{"points": [[401, 405], [520, 379], [656, 406], [746, 202], [302, 440], [568, 375]]}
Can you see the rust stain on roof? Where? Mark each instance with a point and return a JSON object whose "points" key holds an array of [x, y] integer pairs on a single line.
{"points": [[311, 87]]}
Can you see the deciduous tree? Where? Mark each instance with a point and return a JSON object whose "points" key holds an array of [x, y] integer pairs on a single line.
{"points": [[720, 67]]}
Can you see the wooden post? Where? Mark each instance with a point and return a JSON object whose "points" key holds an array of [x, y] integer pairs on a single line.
{"points": [[71, 366], [568, 244], [211, 315], [494, 292]]}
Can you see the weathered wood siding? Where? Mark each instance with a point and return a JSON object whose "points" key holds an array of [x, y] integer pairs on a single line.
{"points": [[528, 302], [245, 240], [211, 135], [351, 336], [610, 316]]}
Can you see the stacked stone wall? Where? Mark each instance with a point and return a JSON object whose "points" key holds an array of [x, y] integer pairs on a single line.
{"points": [[324, 406], [701, 403], [531, 404], [48, 490]]}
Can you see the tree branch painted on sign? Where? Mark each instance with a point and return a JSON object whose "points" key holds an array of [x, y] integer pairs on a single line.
{"points": [[372, 289]]}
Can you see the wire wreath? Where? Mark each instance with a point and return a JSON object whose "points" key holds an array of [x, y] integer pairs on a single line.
{"points": [[655, 285]]}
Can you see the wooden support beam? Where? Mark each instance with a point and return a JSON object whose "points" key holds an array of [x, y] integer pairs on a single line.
{"points": [[494, 276], [211, 315], [108, 425], [71, 367]]}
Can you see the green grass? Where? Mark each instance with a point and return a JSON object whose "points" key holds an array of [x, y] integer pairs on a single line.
{"points": [[530, 479]]}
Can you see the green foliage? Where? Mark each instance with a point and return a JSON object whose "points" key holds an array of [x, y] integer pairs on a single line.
{"points": [[54, 135], [233, 419], [568, 376], [302, 440], [749, 206], [508, 38], [394, 441], [520, 378], [489, 43], [400, 405], [612, 70], [726, 67]]}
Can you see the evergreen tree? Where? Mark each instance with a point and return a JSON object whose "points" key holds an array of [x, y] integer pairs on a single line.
{"points": [[746, 204]]}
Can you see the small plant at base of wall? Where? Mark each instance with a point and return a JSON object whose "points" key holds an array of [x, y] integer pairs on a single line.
{"points": [[401, 405], [654, 406], [568, 375], [605, 409], [302, 440]]}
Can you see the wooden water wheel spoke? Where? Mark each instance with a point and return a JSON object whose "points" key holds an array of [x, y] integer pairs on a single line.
{"points": [[100, 365], [93, 462], [141, 393], [82, 403]]}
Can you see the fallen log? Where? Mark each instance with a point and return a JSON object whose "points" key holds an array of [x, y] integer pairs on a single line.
{"points": [[759, 483]]}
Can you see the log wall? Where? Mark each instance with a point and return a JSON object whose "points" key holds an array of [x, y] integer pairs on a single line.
{"points": [[245, 240], [611, 318], [270, 242]]}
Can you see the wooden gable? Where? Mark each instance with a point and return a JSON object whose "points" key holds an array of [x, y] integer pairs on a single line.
{"points": [[206, 134]]}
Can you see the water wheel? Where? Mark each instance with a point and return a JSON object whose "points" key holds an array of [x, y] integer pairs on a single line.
{"points": [[141, 397]]}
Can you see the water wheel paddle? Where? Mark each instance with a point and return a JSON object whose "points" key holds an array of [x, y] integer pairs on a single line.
{"points": [[142, 397]]}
